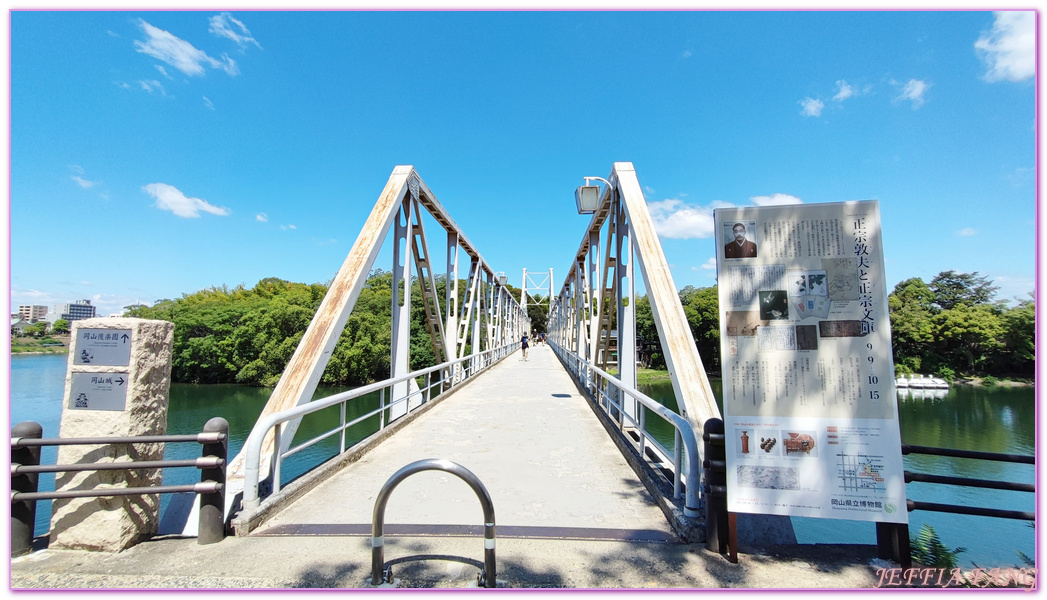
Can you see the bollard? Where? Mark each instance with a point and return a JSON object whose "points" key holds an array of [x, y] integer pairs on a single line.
{"points": [[212, 505], [379, 573], [716, 521], [23, 512]]}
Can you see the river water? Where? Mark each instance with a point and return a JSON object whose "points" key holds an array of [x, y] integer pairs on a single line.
{"points": [[971, 418]]}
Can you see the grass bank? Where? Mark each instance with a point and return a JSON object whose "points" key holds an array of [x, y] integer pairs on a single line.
{"points": [[58, 344]]}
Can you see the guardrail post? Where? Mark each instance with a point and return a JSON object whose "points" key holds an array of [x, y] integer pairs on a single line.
{"points": [[23, 512], [716, 520], [212, 505]]}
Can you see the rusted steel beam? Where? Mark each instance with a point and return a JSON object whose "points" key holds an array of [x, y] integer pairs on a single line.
{"points": [[695, 395], [307, 364]]}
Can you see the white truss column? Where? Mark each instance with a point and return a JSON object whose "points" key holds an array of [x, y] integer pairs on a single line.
{"points": [[594, 286], [626, 309], [400, 341], [451, 296]]}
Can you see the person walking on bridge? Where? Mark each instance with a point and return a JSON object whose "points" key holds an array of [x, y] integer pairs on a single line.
{"points": [[523, 345]]}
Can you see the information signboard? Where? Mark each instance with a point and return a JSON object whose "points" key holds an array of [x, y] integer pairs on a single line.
{"points": [[102, 347], [810, 411], [98, 391]]}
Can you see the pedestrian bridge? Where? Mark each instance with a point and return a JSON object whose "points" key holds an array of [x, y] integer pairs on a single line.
{"points": [[560, 437]]}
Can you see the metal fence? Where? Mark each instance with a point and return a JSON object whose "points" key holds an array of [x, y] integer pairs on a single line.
{"points": [[893, 539], [610, 394], [440, 378], [27, 440]]}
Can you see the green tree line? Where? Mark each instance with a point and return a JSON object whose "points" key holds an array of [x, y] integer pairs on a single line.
{"points": [[247, 336], [951, 326]]}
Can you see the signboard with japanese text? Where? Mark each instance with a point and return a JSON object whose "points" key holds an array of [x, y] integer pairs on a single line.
{"points": [[810, 412], [98, 391], [102, 347]]}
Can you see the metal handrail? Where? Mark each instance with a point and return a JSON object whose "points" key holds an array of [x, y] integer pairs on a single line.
{"points": [[686, 472], [27, 439], [253, 445]]}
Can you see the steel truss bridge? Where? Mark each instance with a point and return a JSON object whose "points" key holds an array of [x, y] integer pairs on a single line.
{"points": [[591, 328]]}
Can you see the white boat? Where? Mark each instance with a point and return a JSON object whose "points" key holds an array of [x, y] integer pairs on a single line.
{"points": [[921, 382], [901, 382], [939, 384]]}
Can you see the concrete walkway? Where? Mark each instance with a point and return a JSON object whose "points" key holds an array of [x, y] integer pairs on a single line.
{"points": [[570, 512], [524, 430]]}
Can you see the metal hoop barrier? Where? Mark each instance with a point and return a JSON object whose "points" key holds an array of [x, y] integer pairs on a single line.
{"points": [[379, 573]]}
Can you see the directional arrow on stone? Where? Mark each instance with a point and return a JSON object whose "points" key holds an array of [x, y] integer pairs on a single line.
{"points": [[126, 337], [120, 380]]}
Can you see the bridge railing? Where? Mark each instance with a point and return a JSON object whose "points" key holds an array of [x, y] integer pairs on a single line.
{"points": [[436, 381], [612, 396]]}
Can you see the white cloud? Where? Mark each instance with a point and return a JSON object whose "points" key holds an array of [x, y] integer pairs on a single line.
{"points": [[1013, 288], [286, 227], [674, 219], [914, 91], [261, 218], [80, 181], [967, 232], [179, 53], [709, 265], [1009, 50], [775, 200], [152, 85], [163, 71], [811, 107], [687, 54], [208, 103], [171, 198], [220, 27], [844, 92]]}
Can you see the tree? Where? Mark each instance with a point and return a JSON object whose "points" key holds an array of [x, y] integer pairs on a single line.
{"points": [[60, 326], [951, 288], [968, 336], [648, 343], [702, 307], [911, 305], [1019, 337], [38, 329]]}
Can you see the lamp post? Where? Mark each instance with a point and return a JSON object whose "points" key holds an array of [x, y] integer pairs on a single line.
{"points": [[587, 197]]}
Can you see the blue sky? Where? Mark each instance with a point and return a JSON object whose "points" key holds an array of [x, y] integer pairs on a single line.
{"points": [[160, 153]]}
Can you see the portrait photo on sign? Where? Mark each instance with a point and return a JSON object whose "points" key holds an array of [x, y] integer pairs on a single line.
{"points": [[740, 239]]}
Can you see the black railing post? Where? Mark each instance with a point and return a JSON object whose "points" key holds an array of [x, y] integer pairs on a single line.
{"points": [[892, 543], [715, 486], [212, 505], [23, 512]]}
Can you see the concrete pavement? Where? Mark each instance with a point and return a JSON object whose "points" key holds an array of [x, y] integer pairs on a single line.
{"points": [[570, 512]]}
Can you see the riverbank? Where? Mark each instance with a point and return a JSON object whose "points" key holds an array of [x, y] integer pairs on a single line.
{"points": [[52, 344]]}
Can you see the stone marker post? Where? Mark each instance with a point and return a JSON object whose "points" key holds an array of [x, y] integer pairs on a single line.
{"points": [[117, 385]]}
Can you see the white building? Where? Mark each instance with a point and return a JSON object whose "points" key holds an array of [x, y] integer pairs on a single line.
{"points": [[32, 312], [73, 312]]}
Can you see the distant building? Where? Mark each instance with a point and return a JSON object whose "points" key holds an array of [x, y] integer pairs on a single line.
{"points": [[73, 312], [32, 312], [18, 325]]}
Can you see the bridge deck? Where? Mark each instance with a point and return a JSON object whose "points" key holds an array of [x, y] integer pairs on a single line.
{"points": [[524, 430]]}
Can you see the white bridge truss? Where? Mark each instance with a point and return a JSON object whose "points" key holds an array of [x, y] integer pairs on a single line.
{"points": [[488, 317], [594, 315]]}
